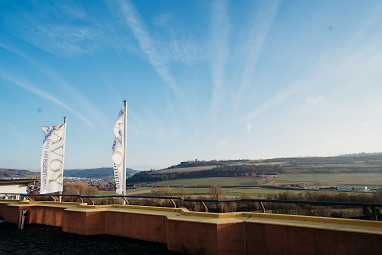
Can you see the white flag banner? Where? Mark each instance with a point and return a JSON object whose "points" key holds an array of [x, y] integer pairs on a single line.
{"points": [[117, 149], [52, 159]]}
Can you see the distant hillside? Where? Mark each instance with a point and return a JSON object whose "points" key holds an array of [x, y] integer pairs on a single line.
{"points": [[351, 163], [15, 173], [219, 171], [97, 173]]}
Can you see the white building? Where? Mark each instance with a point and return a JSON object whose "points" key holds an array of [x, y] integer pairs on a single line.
{"points": [[12, 186]]}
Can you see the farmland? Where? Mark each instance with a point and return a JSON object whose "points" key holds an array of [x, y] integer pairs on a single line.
{"points": [[334, 179], [222, 181], [271, 176], [241, 185]]}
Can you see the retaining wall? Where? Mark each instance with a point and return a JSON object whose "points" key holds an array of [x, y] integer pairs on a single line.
{"points": [[206, 233]]}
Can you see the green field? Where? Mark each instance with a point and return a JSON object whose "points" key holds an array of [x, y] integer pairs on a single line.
{"points": [[222, 181], [341, 179], [351, 170], [335, 179], [256, 192], [187, 169], [238, 192], [137, 191]]}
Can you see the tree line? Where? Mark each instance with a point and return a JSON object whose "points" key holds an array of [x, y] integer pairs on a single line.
{"points": [[5, 173], [219, 171]]}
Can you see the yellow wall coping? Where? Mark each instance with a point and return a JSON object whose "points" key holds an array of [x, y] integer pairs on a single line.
{"points": [[151, 208], [185, 212], [369, 223], [85, 205], [216, 215]]}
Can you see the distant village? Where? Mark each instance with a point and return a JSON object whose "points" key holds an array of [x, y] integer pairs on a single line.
{"points": [[93, 182], [110, 185], [102, 184], [336, 188]]}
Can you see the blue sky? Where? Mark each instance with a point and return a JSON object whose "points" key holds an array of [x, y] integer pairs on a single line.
{"points": [[203, 79]]}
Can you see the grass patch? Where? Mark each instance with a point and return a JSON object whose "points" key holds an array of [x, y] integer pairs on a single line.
{"points": [[239, 192], [258, 192], [187, 169], [222, 181], [128, 191], [339, 179]]}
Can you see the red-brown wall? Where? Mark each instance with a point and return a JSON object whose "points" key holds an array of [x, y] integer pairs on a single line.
{"points": [[199, 234], [84, 223], [51, 216], [278, 239], [192, 237], [138, 226], [11, 213]]}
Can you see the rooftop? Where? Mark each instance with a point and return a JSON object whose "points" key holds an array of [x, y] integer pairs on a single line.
{"points": [[40, 240]]}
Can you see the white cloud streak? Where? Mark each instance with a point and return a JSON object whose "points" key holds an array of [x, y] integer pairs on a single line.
{"points": [[180, 49], [9, 129], [85, 105], [146, 44], [249, 127], [338, 73], [35, 90], [313, 100], [162, 20], [65, 40], [56, 79], [220, 47], [8, 124], [46, 26], [278, 98], [223, 144], [352, 66], [254, 46]]}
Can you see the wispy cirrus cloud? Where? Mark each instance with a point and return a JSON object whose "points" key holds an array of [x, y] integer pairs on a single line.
{"points": [[249, 127], [65, 40], [276, 99], [310, 78], [254, 45], [9, 129], [313, 100], [180, 49], [91, 111], [61, 83], [351, 66], [19, 81], [9, 125], [146, 44], [176, 45], [59, 28], [220, 29], [374, 18], [71, 9], [223, 144], [334, 73], [162, 20]]}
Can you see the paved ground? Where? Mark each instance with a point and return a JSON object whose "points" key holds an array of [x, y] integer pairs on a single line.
{"points": [[41, 240]]}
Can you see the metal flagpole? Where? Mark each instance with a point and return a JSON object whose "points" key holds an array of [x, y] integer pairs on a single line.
{"points": [[124, 149], [63, 164]]}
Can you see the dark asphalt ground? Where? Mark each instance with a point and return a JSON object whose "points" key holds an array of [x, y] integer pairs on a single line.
{"points": [[41, 240]]}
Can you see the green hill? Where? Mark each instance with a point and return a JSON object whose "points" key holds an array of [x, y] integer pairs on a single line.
{"points": [[15, 173], [352, 163], [224, 170], [97, 173]]}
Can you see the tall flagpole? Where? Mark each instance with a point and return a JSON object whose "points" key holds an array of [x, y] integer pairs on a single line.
{"points": [[63, 163], [124, 149]]}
